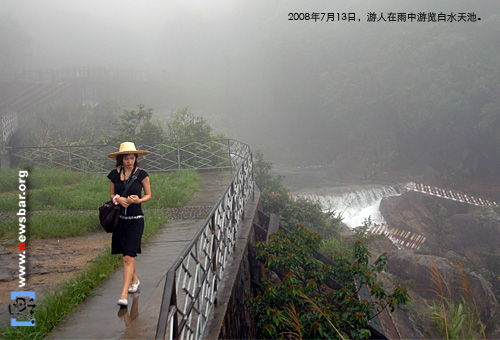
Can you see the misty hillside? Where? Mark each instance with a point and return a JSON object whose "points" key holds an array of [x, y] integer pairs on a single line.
{"points": [[381, 95]]}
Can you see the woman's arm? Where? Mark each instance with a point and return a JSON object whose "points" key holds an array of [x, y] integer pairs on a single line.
{"points": [[112, 190], [147, 191], [121, 200], [134, 199]]}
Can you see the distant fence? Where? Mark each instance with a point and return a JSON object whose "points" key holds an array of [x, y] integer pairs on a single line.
{"points": [[81, 73], [192, 283], [8, 125], [170, 156]]}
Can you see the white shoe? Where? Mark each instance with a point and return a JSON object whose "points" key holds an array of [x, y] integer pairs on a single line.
{"points": [[122, 301], [133, 288]]}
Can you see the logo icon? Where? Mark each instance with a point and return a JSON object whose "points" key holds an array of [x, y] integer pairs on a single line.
{"points": [[22, 308]]}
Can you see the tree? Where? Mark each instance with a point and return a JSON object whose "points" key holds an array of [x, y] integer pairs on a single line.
{"points": [[185, 126], [137, 126], [131, 120]]}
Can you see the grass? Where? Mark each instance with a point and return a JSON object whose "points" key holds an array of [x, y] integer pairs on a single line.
{"points": [[55, 305], [68, 205], [79, 197], [65, 191], [39, 178], [454, 318], [173, 190], [54, 224]]}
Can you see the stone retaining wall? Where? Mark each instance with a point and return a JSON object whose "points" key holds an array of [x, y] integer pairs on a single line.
{"points": [[231, 319]]}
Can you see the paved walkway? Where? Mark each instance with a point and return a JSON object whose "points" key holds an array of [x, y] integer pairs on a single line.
{"points": [[99, 317]]}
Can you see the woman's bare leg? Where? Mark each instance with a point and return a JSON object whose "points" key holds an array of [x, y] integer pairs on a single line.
{"points": [[128, 273]]}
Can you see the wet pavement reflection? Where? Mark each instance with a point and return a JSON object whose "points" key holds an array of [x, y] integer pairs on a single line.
{"points": [[124, 314]]}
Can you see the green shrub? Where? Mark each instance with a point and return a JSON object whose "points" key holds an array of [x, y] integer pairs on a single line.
{"points": [[302, 304], [276, 198]]}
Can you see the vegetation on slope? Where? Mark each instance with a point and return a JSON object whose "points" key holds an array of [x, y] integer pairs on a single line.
{"points": [[303, 304]]}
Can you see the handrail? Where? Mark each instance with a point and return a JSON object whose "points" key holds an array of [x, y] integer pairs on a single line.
{"points": [[80, 73], [192, 283], [168, 156], [8, 125]]}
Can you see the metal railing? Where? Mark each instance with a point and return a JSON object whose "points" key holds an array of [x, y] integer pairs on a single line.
{"points": [[192, 283], [79, 73], [170, 156], [8, 125]]}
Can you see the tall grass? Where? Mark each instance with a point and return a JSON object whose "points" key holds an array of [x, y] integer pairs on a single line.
{"points": [[9, 201], [174, 189], [152, 222], [455, 318], [67, 204], [473, 313], [87, 194], [54, 189], [9, 180], [89, 191], [39, 178], [53, 224]]}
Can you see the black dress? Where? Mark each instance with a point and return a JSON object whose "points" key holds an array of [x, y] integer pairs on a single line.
{"points": [[126, 238]]}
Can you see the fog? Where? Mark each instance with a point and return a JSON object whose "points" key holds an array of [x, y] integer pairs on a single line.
{"points": [[303, 91]]}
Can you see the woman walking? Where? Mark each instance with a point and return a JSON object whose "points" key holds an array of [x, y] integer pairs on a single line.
{"points": [[127, 236]]}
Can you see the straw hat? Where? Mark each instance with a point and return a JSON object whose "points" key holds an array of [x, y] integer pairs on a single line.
{"points": [[128, 148]]}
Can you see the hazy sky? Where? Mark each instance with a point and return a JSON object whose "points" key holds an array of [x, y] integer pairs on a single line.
{"points": [[156, 33], [122, 33], [238, 62]]}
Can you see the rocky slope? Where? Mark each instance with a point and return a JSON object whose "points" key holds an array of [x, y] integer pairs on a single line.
{"points": [[456, 233]]}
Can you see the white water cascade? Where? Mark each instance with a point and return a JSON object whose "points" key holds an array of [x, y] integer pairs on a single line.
{"points": [[355, 205]]}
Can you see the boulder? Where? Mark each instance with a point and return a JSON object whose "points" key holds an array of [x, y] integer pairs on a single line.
{"points": [[474, 232], [476, 237], [409, 265]]}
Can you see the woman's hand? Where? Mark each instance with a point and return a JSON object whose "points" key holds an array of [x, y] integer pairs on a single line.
{"points": [[133, 199], [123, 201]]}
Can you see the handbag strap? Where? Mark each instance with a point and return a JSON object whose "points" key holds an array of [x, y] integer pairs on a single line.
{"points": [[133, 177]]}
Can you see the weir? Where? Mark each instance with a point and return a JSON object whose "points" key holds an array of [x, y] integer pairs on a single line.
{"points": [[354, 205]]}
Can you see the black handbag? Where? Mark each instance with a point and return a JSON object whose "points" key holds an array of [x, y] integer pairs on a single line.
{"points": [[109, 212]]}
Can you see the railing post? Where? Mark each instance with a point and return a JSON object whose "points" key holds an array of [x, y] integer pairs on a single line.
{"points": [[178, 156], [168, 306], [229, 155], [215, 245], [69, 158]]}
